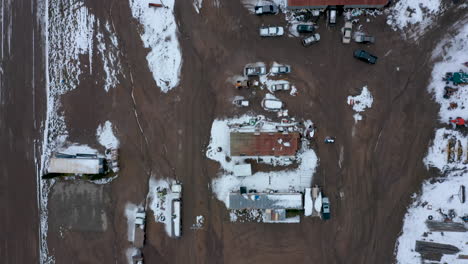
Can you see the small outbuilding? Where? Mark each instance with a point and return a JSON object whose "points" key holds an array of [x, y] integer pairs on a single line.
{"points": [[242, 170]]}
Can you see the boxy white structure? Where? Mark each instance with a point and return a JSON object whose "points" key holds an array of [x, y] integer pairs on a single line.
{"points": [[76, 165]]}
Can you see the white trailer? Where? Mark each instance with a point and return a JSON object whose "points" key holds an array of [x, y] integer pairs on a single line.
{"points": [[176, 218]]}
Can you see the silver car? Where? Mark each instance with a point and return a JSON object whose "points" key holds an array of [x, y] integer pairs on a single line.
{"points": [[311, 40], [271, 31]]}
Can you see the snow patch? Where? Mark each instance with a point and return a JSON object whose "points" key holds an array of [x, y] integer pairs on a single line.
{"points": [[453, 51], [360, 102], [197, 4], [414, 17], [106, 136], [160, 199], [434, 196], [130, 213], [160, 35]]}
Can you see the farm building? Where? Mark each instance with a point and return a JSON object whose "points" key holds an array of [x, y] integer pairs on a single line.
{"points": [[76, 165], [264, 144], [265, 201], [321, 4]]}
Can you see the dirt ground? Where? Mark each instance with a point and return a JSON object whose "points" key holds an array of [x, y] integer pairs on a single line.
{"points": [[381, 163]]}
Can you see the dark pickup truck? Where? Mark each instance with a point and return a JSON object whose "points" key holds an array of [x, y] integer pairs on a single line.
{"points": [[365, 56]]}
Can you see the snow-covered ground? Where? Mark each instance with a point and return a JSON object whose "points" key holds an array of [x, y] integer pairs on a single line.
{"points": [[453, 52], [444, 193], [106, 137], [160, 35], [160, 199], [414, 17], [284, 181], [110, 56], [438, 154], [360, 102]]}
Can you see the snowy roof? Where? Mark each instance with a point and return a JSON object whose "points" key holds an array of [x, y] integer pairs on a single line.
{"points": [[265, 201], [346, 3], [76, 165], [264, 144], [242, 170]]}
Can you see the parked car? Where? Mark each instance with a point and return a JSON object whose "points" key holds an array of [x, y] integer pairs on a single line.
{"points": [[325, 208], [254, 70], [348, 27], [241, 103], [266, 9], [271, 31], [303, 28], [280, 69], [280, 87], [365, 56], [364, 39], [311, 40], [272, 104], [332, 16]]}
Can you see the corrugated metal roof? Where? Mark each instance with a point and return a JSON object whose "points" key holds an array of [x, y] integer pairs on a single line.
{"points": [[264, 144], [265, 201], [361, 3]]}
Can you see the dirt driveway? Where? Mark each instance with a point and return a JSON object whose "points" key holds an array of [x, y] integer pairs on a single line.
{"points": [[376, 168]]}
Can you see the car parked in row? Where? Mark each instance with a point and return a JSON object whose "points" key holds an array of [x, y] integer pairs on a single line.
{"points": [[280, 87], [272, 104], [280, 69], [365, 56], [266, 9], [254, 70], [305, 28], [271, 31], [348, 27], [364, 39], [311, 40]]}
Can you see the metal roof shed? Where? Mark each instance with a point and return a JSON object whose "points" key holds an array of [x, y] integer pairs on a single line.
{"points": [[311, 4], [242, 170], [76, 165], [265, 201]]}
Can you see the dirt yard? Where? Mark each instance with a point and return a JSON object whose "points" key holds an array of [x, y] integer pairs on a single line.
{"points": [[381, 164]]}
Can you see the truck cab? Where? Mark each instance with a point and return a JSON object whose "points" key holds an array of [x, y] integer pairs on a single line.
{"points": [[325, 208]]}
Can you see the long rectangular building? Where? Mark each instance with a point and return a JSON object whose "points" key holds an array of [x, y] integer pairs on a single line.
{"points": [[76, 165], [264, 144], [315, 4], [239, 201]]}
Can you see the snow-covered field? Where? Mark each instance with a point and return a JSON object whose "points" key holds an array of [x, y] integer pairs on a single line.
{"points": [[284, 181], [414, 17], [453, 52], [444, 193], [360, 102], [160, 35], [71, 31]]}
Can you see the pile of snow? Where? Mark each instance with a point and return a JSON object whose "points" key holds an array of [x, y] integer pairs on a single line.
{"points": [[197, 4], [199, 221], [453, 52], [130, 252], [160, 199], [160, 35], [360, 102], [441, 195], [106, 136], [414, 17], [437, 156], [284, 181]]}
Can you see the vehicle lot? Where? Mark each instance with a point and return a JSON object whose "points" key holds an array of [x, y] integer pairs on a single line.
{"points": [[366, 168]]}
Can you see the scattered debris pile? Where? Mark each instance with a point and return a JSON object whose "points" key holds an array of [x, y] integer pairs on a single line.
{"points": [[434, 251]]}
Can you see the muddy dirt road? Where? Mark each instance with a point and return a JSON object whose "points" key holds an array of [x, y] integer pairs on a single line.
{"points": [[22, 112], [376, 163]]}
